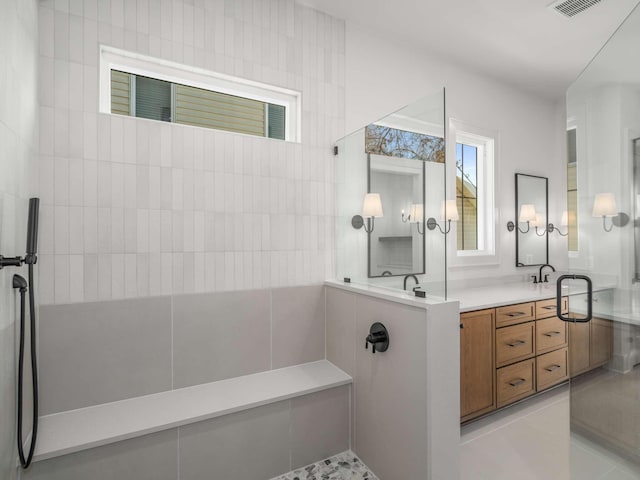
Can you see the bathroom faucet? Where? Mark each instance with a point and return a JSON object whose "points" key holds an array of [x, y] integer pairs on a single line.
{"points": [[546, 277], [406, 277]]}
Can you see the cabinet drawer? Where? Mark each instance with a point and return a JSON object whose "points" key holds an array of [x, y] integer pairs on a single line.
{"points": [[551, 368], [515, 343], [547, 308], [515, 382], [522, 312], [551, 334]]}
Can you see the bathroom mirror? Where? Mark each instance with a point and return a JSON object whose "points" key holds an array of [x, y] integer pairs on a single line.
{"points": [[532, 245], [396, 245], [406, 143]]}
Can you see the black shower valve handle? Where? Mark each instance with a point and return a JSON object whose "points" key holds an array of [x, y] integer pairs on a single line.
{"points": [[378, 338], [374, 338]]}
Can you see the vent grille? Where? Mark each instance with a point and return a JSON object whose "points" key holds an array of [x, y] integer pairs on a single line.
{"points": [[571, 8]]}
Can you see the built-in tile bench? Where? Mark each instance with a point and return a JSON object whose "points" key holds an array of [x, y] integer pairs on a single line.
{"points": [[76, 430]]}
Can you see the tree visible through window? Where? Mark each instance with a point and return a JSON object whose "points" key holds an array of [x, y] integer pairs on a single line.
{"points": [[383, 140], [467, 196]]}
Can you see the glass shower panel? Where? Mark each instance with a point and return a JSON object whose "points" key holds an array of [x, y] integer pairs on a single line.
{"points": [[401, 157], [603, 107]]}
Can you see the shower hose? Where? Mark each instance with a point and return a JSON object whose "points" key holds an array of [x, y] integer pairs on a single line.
{"points": [[21, 284]]}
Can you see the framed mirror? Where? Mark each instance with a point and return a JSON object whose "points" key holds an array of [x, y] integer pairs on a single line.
{"points": [[532, 243], [396, 246]]}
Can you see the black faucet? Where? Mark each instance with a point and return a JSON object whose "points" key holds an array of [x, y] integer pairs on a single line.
{"points": [[414, 277], [546, 277]]}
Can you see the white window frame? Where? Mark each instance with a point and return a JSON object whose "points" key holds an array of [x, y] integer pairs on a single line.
{"points": [[486, 142], [116, 59], [572, 124]]}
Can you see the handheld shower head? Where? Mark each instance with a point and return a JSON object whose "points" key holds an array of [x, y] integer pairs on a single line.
{"points": [[32, 231]]}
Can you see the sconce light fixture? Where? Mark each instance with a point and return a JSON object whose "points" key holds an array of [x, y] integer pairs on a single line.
{"points": [[448, 213], [416, 215], [371, 208], [539, 222], [527, 215], [564, 221], [605, 206]]}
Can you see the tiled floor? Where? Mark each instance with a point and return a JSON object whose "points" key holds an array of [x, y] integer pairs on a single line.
{"points": [[532, 441], [344, 466]]}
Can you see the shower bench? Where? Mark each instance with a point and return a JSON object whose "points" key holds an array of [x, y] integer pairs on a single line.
{"points": [[76, 430]]}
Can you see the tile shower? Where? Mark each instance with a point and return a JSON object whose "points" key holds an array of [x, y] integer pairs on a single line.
{"points": [[172, 256]]}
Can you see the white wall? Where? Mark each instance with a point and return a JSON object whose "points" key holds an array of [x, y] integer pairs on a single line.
{"points": [[383, 75], [134, 208], [18, 145]]}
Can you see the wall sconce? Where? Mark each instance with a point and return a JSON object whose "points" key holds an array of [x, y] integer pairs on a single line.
{"points": [[448, 213], [527, 215], [417, 215], [539, 222], [564, 221], [605, 206], [371, 208]]}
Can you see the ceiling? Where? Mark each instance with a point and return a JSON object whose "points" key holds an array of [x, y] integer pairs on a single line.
{"points": [[522, 42]]}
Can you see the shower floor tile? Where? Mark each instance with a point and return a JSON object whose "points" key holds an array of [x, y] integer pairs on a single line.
{"points": [[344, 466]]}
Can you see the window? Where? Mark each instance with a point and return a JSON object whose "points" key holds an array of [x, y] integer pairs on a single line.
{"points": [[467, 196], [474, 188], [155, 89], [572, 190]]}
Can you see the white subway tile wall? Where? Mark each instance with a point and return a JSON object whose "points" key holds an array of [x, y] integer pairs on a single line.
{"points": [[132, 207], [18, 152]]}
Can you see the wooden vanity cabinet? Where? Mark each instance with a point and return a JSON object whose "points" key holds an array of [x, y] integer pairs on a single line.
{"points": [[477, 363], [579, 348], [601, 342], [511, 352], [590, 345]]}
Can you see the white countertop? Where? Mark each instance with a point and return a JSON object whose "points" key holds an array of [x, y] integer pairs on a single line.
{"points": [[392, 294], [510, 293], [506, 294]]}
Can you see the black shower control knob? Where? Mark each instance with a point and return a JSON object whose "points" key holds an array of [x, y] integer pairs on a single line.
{"points": [[378, 338]]}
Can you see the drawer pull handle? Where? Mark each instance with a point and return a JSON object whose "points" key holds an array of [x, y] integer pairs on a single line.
{"points": [[552, 368], [549, 307], [551, 334], [515, 383], [516, 314], [516, 343]]}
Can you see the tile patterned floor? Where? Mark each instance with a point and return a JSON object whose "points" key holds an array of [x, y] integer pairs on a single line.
{"points": [[344, 466]]}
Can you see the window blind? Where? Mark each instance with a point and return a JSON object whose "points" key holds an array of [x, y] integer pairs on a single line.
{"points": [[153, 99]]}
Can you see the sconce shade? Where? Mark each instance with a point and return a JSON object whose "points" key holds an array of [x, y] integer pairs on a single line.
{"points": [[564, 221], [417, 212], [372, 205], [539, 221], [605, 205], [449, 211], [527, 213]]}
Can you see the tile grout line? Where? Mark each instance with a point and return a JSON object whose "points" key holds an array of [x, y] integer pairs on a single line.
{"points": [[324, 291], [290, 437], [270, 329], [178, 453], [172, 353]]}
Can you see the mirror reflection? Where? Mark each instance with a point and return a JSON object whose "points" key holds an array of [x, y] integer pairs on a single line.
{"points": [[532, 213], [396, 161], [396, 245]]}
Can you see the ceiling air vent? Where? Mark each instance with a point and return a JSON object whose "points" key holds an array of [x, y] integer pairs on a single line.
{"points": [[570, 8]]}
